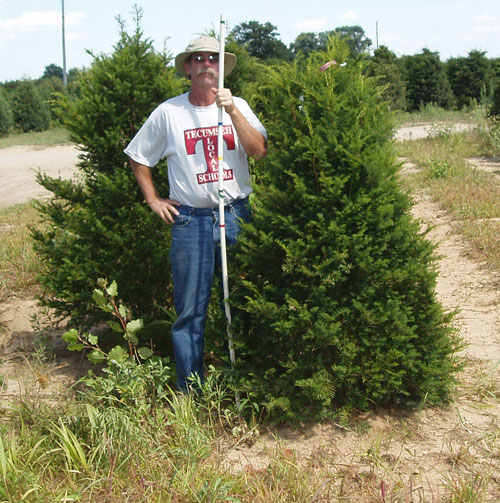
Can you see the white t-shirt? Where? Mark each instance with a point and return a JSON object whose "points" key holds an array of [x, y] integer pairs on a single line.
{"points": [[186, 135]]}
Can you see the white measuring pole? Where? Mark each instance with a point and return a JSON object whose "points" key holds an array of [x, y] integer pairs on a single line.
{"points": [[222, 217]]}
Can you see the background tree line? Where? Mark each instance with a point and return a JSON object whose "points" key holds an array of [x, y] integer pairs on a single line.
{"points": [[410, 82]]}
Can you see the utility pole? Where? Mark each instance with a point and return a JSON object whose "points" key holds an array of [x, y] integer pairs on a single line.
{"points": [[376, 33], [65, 76]]}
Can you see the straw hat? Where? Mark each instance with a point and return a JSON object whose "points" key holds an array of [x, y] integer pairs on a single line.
{"points": [[204, 44]]}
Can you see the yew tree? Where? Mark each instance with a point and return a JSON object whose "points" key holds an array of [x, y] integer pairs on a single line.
{"points": [[334, 283], [97, 224]]}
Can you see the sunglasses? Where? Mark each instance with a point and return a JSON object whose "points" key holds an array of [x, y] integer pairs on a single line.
{"points": [[201, 58]]}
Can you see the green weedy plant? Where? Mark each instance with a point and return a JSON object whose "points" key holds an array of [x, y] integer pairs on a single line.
{"points": [[133, 375], [495, 100], [98, 224], [493, 136], [105, 299], [334, 285]]}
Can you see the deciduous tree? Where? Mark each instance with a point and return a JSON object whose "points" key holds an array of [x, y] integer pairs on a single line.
{"points": [[260, 40]]}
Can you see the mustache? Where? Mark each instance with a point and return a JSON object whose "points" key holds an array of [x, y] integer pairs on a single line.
{"points": [[210, 71]]}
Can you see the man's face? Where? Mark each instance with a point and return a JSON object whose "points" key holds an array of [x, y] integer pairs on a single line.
{"points": [[203, 67]]}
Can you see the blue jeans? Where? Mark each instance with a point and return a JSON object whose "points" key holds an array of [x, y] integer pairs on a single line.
{"points": [[194, 258]]}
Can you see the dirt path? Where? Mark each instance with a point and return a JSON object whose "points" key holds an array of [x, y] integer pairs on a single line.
{"points": [[18, 166], [424, 130]]}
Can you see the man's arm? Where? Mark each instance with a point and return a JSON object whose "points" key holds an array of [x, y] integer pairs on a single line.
{"points": [[254, 143], [164, 208]]}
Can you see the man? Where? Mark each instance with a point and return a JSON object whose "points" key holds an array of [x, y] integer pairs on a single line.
{"points": [[184, 130]]}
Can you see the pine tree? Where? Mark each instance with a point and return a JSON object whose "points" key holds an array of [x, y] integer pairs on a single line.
{"points": [[6, 120], [384, 66], [99, 225], [334, 302], [426, 81], [30, 112]]}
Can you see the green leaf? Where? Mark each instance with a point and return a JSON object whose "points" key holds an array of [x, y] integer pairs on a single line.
{"points": [[144, 352], [70, 336], [96, 356], [123, 311], [115, 326], [101, 301], [113, 289], [98, 297], [118, 354], [75, 346], [93, 339], [135, 325], [131, 337]]}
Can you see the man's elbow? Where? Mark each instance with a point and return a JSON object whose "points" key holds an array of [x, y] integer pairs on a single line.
{"points": [[260, 152]]}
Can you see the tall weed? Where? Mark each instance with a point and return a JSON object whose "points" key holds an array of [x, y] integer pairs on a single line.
{"points": [[19, 264]]}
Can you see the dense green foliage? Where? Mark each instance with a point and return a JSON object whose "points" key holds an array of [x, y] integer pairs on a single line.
{"points": [[495, 105], [260, 40], [354, 36], [99, 226], [390, 75], [470, 78], [426, 81], [6, 119], [246, 75], [334, 301], [29, 111]]}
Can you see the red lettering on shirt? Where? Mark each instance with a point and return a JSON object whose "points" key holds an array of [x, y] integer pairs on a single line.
{"points": [[208, 137]]}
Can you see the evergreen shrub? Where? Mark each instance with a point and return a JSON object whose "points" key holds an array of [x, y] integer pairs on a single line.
{"points": [[29, 110], [495, 105], [6, 120], [426, 81], [333, 284], [99, 224]]}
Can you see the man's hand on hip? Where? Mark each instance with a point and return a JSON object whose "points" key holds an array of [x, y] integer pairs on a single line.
{"points": [[165, 209]]}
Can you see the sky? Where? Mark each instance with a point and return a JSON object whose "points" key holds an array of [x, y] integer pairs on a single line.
{"points": [[31, 30]]}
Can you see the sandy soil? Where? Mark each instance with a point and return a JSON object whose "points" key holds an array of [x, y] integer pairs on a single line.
{"points": [[416, 449], [18, 167], [424, 130]]}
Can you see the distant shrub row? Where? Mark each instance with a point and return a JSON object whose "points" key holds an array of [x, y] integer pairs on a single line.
{"points": [[408, 83]]}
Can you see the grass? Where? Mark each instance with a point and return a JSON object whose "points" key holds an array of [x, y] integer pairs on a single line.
{"points": [[54, 136], [19, 264], [469, 194], [86, 452], [434, 114], [79, 447], [484, 384]]}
